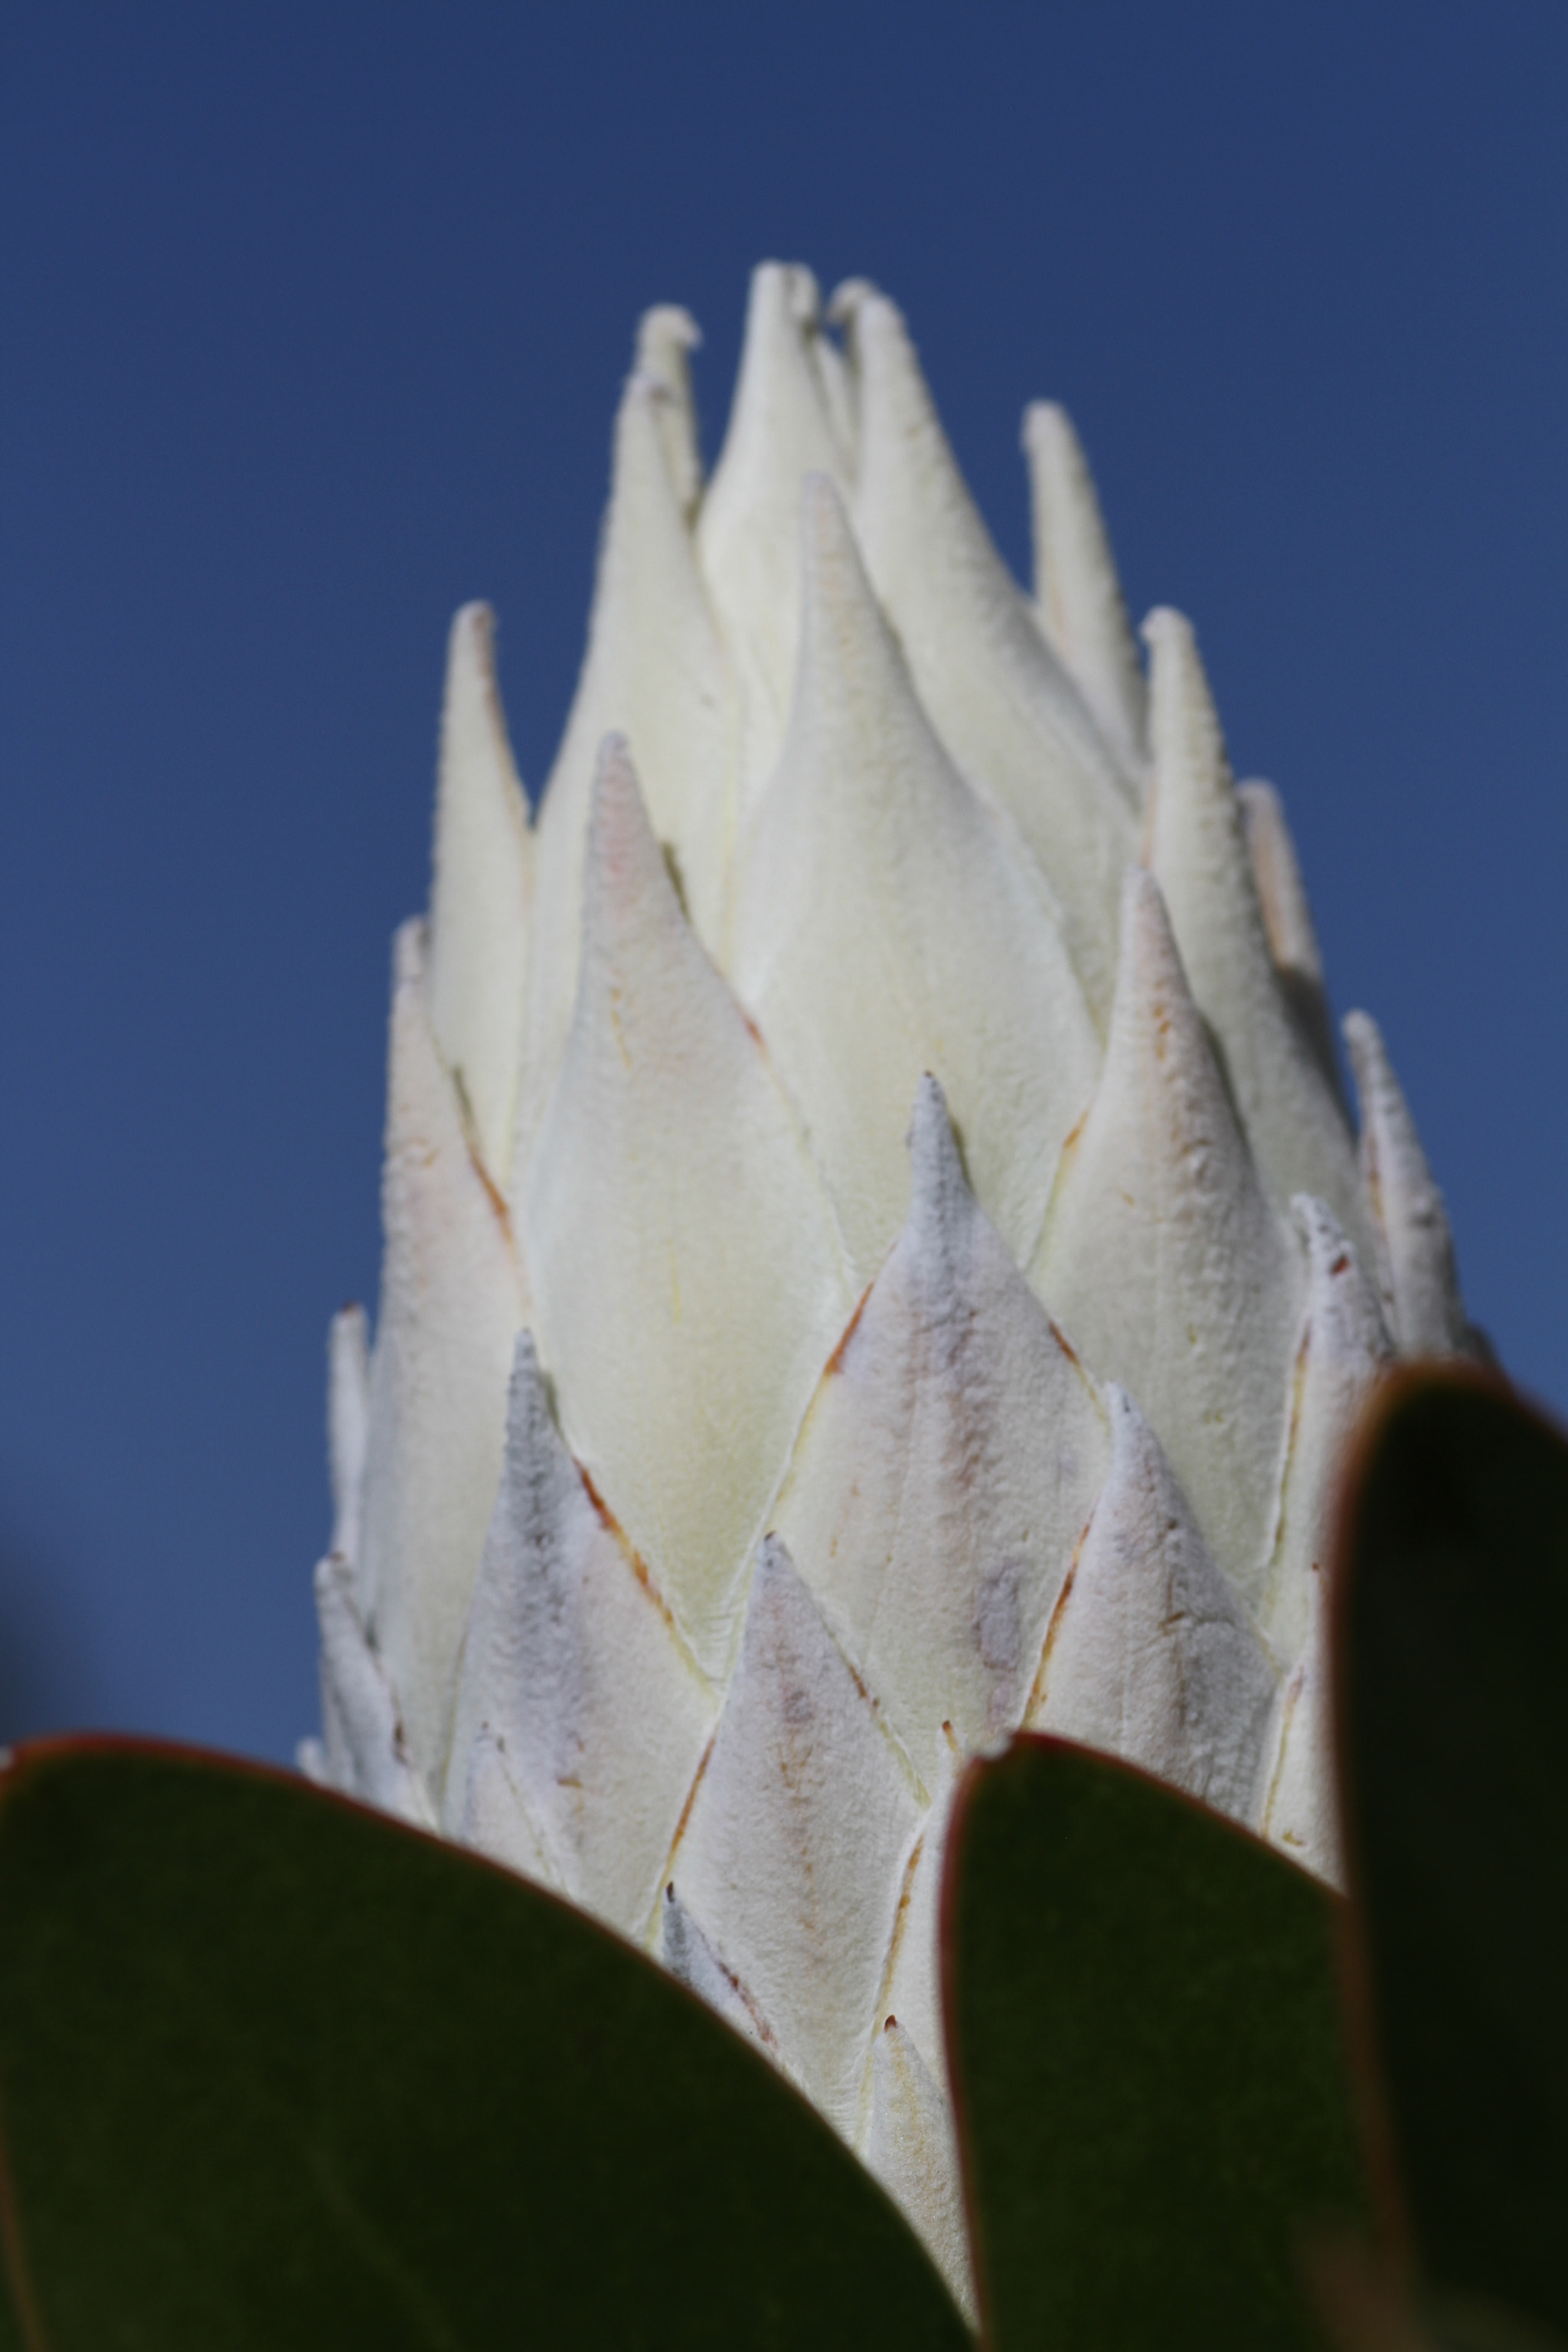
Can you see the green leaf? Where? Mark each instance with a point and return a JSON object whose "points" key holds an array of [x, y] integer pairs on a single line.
{"points": [[11, 2336], [275, 2071], [1454, 1731], [1144, 2030]]}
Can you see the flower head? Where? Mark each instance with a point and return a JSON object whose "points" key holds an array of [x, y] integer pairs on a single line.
{"points": [[876, 1252]]}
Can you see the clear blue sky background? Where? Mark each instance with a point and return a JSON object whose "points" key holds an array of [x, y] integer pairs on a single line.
{"points": [[313, 322]]}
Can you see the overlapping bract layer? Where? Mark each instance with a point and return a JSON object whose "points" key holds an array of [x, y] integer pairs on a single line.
{"points": [[724, 1472]]}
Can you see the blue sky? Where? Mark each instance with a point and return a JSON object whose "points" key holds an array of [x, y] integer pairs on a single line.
{"points": [[314, 320]]}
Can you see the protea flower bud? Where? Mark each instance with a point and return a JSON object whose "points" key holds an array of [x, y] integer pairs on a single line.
{"points": [[876, 1253]]}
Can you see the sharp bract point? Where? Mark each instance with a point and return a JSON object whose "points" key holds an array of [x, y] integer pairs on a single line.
{"points": [[1076, 591], [654, 672], [780, 429], [911, 2148], [573, 1667], [948, 1465], [1197, 851], [666, 337], [451, 1300], [363, 1747], [1343, 1346], [1002, 702], [886, 922], [795, 1849], [1415, 1249], [1300, 1808], [687, 1269], [1163, 1258], [1288, 919], [1151, 1654], [480, 894]]}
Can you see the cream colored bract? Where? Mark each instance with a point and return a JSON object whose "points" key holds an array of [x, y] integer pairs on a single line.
{"points": [[876, 1253]]}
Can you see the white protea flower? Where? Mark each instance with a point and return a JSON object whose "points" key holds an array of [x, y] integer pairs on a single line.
{"points": [[876, 1253]]}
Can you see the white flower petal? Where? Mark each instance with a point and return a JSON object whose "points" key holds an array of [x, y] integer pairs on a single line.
{"points": [[687, 1954], [690, 1276], [666, 337], [479, 895], [493, 1816], [947, 1469], [840, 396], [1076, 591], [1343, 1346], [362, 1747], [886, 925], [572, 1665], [748, 533], [1197, 852], [999, 697], [912, 2149], [1300, 1809], [912, 1989], [1151, 1655], [799, 1835], [1415, 1249], [452, 1301], [1288, 919], [653, 672], [348, 1425], [1162, 1259]]}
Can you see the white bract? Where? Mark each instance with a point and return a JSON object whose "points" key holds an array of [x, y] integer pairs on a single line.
{"points": [[876, 1253]]}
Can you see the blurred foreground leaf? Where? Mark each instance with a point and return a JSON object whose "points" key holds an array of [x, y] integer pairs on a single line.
{"points": [[277, 2073], [1143, 2018], [1453, 1738]]}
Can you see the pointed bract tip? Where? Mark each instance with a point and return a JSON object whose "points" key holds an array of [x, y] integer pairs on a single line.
{"points": [[1048, 429], [1148, 959], [622, 852], [939, 1183], [847, 299], [774, 1562], [614, 774], [930, 1116], [827, 541], [1129, 1429], [408, 946], [876, 316], [805, 294], [822, 509], [1363, 1037], [783, 288], [471, 685], [1142, 901], [877, 337], [931, 1144], [664, 331], [1185, 738], [1375, 1084], [529, 1418], [1169, 633], [525, 1368], [474, 625]]}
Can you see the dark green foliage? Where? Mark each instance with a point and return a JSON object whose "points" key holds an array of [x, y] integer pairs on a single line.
{"points": [[11, 2336], [1142, 2013], [1454, 1668], [276, 2072]]}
